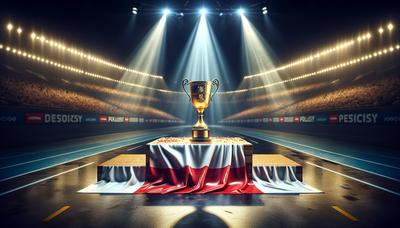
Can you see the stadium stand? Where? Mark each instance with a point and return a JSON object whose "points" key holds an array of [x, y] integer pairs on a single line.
{"points": [[29, 89], [373, 92]]}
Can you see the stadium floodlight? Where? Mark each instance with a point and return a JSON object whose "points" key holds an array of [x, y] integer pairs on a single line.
{"points": [[203, 11], [240, 11], [380, 30], [166, 11], [390, 26], [180, 15], [10, 26], [19, 30], [134, 10], [264, 10]]}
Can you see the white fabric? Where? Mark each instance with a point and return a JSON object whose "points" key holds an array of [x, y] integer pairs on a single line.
{"points": [[279, 180], [112, 187], [196, 155], [123, 173], [118, 179]]}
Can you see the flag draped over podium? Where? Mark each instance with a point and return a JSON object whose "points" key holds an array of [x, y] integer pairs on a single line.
{"points": [[179, 166]]}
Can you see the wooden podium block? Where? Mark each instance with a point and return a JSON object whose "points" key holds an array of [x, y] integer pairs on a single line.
{"points": [[123, 160], [278, 160]]}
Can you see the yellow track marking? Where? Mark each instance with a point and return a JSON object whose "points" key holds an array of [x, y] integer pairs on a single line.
{"points": [[345, 213], [56, 213]]}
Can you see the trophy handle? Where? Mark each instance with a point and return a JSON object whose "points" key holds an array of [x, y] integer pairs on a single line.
{"points": [[185, 82], [215, 83]]}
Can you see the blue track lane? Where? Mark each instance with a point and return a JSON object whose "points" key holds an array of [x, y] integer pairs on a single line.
{"points": [[378, 161], [20, 162]]}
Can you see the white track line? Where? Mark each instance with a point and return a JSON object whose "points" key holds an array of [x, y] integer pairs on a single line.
{"points": [[61, 163], [253, 141], [245, 137], [44, 179], [71, 152], [338, 154], [356, 179], [134, 148]]}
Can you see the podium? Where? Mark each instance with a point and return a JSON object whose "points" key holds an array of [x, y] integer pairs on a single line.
{"points": [[224, 165]]}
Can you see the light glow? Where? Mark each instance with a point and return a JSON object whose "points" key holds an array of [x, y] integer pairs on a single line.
{"points": [[323, 53], [81, 54], [390, 26], [166, 11], [203, 11], [60, 65], [264, 10], [10, 26]]}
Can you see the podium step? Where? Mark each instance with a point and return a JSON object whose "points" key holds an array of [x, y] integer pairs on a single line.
{"points": [[278, 161], [124, 164]]}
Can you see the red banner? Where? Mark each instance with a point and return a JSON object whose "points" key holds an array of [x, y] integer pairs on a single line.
{"points": [[33, 118], [334, 118], [103, 119]]}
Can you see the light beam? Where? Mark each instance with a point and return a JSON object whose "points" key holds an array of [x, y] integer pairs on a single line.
{"points": [[148, 58], [202, 60]]}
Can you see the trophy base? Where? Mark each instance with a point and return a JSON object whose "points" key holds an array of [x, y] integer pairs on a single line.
{"points": [[202, 135]]}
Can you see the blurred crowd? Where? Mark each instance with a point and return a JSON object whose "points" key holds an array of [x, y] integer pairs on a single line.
{"points": [[91, 98], [42, 94], [384, 92], [377, 93]]}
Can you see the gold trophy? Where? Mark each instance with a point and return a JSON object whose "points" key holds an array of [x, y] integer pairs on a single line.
{"points": [[200, 95]]}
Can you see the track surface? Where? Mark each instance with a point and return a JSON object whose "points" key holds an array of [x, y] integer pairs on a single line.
{"points": [[49, 197]]}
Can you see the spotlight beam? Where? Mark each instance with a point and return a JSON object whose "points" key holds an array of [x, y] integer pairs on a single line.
{"points": [[148, 57], [202, 59]]}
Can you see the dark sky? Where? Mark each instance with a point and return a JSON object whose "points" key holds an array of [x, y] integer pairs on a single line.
{"points": [[110, 29]]}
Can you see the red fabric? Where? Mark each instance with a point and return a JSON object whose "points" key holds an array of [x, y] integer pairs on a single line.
{"points": [[225, 180]]}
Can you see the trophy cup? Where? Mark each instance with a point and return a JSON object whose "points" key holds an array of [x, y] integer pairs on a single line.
{"points": [[200, 95]]}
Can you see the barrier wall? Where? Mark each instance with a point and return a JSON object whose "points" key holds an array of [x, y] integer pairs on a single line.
{"points": [[377, 128], [346, 117], [29, 127]]}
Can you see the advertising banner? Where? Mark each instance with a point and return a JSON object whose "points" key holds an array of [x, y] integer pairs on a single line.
{"points": [[11, 118], [91, 119], [116, 119], [322, 118], [62, 118], [357, 117], [103, 119], [34, 118], [307, 119]]}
